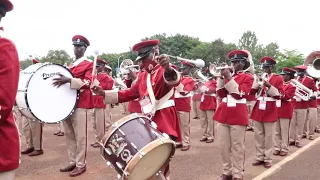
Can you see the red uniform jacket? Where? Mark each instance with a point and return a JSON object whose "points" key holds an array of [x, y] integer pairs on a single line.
{"points": [[9, 78], [286, 109], [82, 69], [166, 119], [238, 114], [196, 95], [106, 83], [208, 98], [134, 106], [183, 94], [270, 114], [309, 83]]}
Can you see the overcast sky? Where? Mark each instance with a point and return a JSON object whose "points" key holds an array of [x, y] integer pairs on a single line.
{"points": [[37, 26]]}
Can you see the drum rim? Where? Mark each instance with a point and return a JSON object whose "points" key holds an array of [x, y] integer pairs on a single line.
{"points": [[146, 149], [120, 122], [26, 98]]}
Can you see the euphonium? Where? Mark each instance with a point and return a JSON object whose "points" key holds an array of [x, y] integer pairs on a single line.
{"points": [[302, 91], [199, 75]]}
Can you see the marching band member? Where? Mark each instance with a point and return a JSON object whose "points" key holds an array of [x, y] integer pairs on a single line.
{"points": [[9, 75], [33, 132], [300, 110], [76, 126], [208, 105], [318, 109], [311, 120], [196, 102], [285, 112], [155, 88], [60, 130], [232, 114], [101, 121], [264, 112], [131, 75], [251, 101], [182, 99]]}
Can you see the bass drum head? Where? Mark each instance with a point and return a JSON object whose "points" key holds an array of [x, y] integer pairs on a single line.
{"points": [[24, 78], [47, 103], [157, 155]]}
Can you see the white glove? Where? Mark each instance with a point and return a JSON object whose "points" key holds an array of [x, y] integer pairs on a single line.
{"points": [[203, 89]]}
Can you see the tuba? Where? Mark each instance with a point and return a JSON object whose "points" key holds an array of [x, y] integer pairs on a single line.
{"points": [[302, 91], [126, 65], [312, 61]]}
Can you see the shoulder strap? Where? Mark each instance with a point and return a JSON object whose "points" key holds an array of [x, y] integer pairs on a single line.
{"points": [[156, 103]]}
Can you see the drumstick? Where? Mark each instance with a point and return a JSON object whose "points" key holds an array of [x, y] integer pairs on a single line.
{"points": [[94, 73]]}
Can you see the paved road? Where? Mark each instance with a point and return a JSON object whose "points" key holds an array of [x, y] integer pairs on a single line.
{"points": [[201, 162], [306, 166]]}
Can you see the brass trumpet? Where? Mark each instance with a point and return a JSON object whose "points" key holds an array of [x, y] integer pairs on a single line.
{"points": [[261, 79], [215, 71]]}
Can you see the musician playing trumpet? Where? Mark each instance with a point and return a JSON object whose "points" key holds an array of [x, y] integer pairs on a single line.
{"points": [[232, 114], [284, 113], [301, 120], [264, 112]]}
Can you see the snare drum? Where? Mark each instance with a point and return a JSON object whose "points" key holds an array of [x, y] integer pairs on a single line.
{"points": [[37, 99], [135, 148]]}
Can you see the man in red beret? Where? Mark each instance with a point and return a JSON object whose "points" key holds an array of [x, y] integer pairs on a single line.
{"points": [[101, 118], [155, 89], [76, 125], [264, 112], [182, 99], [9, 76], [131, 76], [304, 112], [285, 112], [232, 114], [208, 105]]}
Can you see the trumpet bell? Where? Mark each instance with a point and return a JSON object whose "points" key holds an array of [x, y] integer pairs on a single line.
{"points": [[313, 63]]}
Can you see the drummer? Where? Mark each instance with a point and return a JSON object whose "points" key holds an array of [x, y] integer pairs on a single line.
{"points": [[157, 81], [32, 130], [76, 126]]}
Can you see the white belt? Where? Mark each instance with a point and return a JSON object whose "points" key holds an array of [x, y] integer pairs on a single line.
{"points": [[167, 104], [230, 99], [178, 95], [266, 99], [213, 94]]}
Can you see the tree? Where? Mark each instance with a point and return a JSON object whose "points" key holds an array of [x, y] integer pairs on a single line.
{"points": [[290, 58], [248, 41], [57, 56], [25, 63]]}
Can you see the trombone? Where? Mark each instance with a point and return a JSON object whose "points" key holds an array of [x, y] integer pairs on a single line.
{"points": [[198, 62]]}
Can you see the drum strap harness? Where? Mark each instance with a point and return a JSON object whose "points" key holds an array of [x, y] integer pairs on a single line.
{"points": [[156, 104]]}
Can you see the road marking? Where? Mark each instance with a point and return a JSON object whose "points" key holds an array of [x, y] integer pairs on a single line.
{"points": [[285, 160]]}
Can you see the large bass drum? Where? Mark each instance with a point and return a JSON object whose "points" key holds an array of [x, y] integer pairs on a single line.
{"points": [[136, 149], [37, 99]]}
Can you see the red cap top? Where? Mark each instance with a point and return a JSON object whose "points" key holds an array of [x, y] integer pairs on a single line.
{"points": [[146, 43], [187, 64], [289, 69], [268, 60], [34, 61], [101, 61], [7, 4], [301, 67], [238, 55], [80, 40]]}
